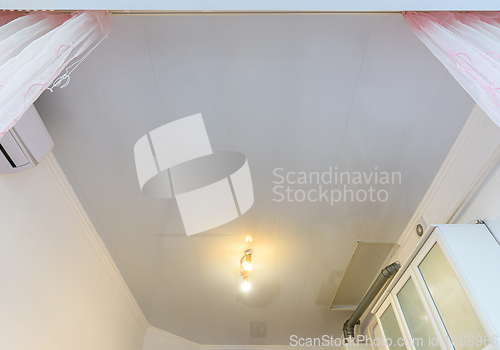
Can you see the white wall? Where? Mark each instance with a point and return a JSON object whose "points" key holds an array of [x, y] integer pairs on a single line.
{"points": [[58, 287], [485, 205]]}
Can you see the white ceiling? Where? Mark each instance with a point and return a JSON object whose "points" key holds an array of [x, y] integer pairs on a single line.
{"points": [[298, 92]]}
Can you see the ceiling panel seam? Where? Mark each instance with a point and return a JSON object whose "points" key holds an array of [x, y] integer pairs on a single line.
{"points": [[277, 226], [223, 85], [224, 104], [165, 121], [153, 68], [401, 139], [207, 310], [323, 212]]}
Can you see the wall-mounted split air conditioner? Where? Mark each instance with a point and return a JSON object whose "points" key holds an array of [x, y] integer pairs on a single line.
{"points": [[26, 144]]}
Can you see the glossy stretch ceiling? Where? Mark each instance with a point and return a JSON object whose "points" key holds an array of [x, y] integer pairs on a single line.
{"points": [[302, 93]]}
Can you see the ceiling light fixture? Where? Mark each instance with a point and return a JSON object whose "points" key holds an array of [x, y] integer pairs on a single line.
{"points": [[245, 285], [246, 261]]}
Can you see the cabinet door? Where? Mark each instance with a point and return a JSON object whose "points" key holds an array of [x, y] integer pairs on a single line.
{"points": [[406, 307], [416, 318], [376, 336], [392, 331], [452, 305]]}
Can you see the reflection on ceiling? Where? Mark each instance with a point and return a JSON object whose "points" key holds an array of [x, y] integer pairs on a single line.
{"points": [[176, 160]]}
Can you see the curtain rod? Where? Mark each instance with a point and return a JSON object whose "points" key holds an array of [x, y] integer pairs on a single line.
{"points": [[218, 13], [232, 13]]}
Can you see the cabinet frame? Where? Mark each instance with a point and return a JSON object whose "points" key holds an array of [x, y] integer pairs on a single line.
{"points": [[447, 241]]}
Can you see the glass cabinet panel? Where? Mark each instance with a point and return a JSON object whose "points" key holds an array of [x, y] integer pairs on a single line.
{"points": [[416, 318], [391, 330], [377, 334], [455, 310]]}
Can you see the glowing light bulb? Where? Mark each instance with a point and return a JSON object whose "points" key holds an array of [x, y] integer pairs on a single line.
{"points": [[247, 266], [246, 262], [249, 239], [245, 285]]}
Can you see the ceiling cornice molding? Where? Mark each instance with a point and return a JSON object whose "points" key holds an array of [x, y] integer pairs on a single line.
{"points": [[94, 237], [256, 347], [159, 331], [228, 347]]}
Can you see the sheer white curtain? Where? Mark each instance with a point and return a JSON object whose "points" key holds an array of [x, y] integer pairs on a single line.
{"points": [[468, 44], [35, 49]]}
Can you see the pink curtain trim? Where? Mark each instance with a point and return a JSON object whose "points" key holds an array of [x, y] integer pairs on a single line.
{"points": [[34, 90], [462, 36], [7, 16]]}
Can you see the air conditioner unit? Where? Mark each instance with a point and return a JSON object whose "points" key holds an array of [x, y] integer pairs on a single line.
{"points": [[26, 144]]}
